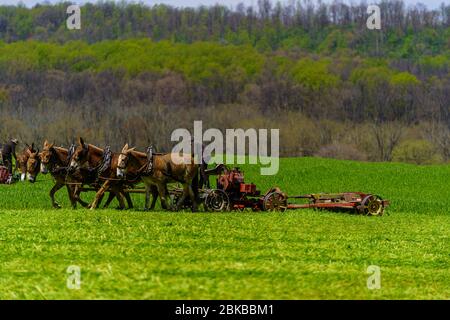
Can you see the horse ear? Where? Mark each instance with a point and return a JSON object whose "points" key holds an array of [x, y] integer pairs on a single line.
{"points": [[32, 146], [27, 145], [51, 146], [81, 141], [132, 149], [125, 148]]}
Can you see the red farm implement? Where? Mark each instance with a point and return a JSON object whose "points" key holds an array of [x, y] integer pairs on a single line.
{"points": [[232, 193]]}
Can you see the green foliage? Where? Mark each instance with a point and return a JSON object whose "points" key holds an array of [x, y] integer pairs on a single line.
{"points": [[438, 62], [404, 79], [417, 152], [335, 40], [314, 74], [198, 62], [371, 76]]}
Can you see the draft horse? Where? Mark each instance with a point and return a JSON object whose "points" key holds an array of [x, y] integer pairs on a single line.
{"points": [[159, 170], [22, 161], [56, 161], [103, 164]]}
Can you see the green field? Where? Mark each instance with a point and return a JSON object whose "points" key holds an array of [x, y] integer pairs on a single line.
{"points": [[301, 254]]}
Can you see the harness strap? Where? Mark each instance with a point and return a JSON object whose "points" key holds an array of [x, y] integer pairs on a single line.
{"points": [[105, 164], [70, 153], [149, 169]]}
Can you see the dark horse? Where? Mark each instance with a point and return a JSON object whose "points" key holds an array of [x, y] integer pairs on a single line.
{"points": [[160, 170], [104, 164]]}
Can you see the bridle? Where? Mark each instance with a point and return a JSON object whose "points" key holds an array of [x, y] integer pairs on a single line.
{"points": [[122, 165], [146, 169], [34, 167]]}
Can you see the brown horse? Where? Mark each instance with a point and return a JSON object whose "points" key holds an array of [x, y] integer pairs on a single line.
{"points": [[161, 170], [94, 159], [33, 166], [55, 160], [22, 160]]}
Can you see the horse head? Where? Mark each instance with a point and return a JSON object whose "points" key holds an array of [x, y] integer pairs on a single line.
{"points": [[33, 164], [123, 160], [46, 156], [80, 156]]}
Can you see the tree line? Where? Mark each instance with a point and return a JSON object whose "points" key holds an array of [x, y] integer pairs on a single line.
{"points": [[302, 25], [134, 73]]}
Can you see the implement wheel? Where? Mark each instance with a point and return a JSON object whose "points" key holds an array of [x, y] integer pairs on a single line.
{"points": [[372, 205], [217, 201], [275, 201]]}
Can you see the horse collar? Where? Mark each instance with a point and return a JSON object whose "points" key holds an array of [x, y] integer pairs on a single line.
{"points": [[149, 160]]}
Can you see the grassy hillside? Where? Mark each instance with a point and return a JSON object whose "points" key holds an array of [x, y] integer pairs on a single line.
{"points": [[296, 255]]}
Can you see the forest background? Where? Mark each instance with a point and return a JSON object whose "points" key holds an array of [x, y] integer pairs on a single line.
{"points": [[134, 73]]}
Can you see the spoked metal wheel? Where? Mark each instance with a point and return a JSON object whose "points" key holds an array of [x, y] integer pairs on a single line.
{"points": [[217, 201], [372, 205], [275, 201]]}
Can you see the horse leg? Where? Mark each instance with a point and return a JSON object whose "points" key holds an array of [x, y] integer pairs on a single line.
{"points": [[154, 190], [77, 194], [117, 192], [193, 197], [129, 201], [162, 190], [187, 190], [100, 200], [183, 196], [72, 196], [99, 193], [193, 186], [120, 197], [147, 196], [55, 188], [111, 197]]}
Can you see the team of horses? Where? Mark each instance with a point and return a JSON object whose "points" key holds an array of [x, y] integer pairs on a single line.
{"points": [[85, 165]]}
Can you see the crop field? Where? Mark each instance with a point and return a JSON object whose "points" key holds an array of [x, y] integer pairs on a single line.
{"points": [[302, 254]]}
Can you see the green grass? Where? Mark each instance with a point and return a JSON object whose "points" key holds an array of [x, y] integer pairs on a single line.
{"points": [[301, 254]]}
